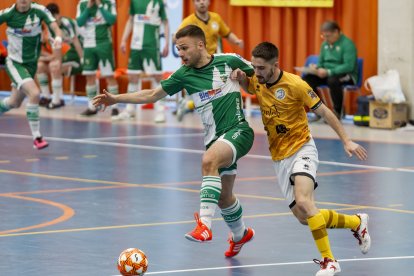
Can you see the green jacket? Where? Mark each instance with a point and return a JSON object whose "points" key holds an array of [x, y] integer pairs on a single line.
{"points": [[340, 58]]}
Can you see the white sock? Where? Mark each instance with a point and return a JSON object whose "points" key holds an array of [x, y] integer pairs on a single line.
{"points": [[113, 89], [44, 85], [32, 115], [209, 196], [132, 87], [57, 90], [4, 105], [233, 216], [91, 91]]}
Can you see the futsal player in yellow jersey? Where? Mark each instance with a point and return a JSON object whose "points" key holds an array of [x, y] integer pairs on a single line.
{"points": [[213, 27], [282, 97]]}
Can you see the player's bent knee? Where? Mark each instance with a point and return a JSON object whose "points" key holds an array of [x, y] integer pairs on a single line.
{"points": [[303, 206], [208, 165]]}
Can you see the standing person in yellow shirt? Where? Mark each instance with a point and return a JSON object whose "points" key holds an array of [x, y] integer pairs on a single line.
{"points": [[214, 29], [282, 96]]}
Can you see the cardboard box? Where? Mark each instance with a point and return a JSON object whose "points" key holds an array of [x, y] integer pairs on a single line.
{"points": [[387, 115]]}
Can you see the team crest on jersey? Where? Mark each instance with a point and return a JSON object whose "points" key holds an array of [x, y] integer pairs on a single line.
{"points": [[280, 94], [312, 94], [224, 78], [31, 24], [214, 25]]}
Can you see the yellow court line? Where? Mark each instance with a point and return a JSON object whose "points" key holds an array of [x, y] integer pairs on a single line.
{"points": [[32, 159], [142, 225], [67, 214], [62, 158], [164, 187], [152, 186]]}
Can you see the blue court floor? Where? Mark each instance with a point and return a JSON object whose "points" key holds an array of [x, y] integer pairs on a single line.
{"points": [[102, 187]]}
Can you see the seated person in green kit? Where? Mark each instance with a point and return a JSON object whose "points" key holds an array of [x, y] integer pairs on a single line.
{"points": [[337, 64]]}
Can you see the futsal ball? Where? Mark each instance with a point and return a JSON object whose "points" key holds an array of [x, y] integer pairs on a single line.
{"points": [[132, 261]]}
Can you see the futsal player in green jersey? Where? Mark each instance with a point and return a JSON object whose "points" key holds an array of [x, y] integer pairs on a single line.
{"points": [[59, 66], [227, 138], [145, 19], [97, 18], [24, 26]]}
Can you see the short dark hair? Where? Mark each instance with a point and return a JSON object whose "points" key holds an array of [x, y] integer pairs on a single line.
{"points": [[191, 31], [330, 26], [266, 51], [53, 8]]}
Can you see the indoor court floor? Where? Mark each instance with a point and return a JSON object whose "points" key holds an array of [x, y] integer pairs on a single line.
{"points": [[102, 186]]}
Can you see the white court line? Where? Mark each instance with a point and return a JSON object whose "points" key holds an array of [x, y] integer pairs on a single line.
{"points": [[146, 136], [254, 156], [275, 264]]}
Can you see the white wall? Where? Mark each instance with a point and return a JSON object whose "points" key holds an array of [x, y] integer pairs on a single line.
{"points": [[396, 43]]}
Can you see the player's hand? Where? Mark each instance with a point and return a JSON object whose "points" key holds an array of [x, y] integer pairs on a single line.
{"points": [[238, 75], [352, 148], [240, 43], [164, 52], [322, 73], [105, 99], [123, 47], [90, 3], [56, 42]]}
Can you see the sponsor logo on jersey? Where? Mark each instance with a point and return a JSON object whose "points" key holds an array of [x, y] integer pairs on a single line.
{"points": [[312, 94], [210, 94], [282, 129], [95, 20], [22, 31], [270, 111], [143, 18], [280, 94]]}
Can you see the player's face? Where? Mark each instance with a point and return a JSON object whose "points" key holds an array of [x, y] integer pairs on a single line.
{"points": [[57, 17], [201, 5], [264, 70], [330, 37], [189, 50], [23, 5]]}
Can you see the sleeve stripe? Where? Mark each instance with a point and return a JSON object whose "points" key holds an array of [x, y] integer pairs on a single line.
{"points": [[318, 104]]}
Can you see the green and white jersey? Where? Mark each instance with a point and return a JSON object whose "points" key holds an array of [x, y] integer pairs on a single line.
{"points": [[97, 22], [216, 97], [24, 31], [69, 30], [147, 18]]}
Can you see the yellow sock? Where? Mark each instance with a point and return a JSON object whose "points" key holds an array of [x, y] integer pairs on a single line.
{"points": [[317, 226], [336, 220]]}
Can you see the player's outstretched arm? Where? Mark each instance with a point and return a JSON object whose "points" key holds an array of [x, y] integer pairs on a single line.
{"points": [[350, 146], [140, 97]]}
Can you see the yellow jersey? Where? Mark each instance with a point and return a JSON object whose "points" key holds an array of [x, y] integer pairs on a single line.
{"points": [[213, 29], [283, 113]]}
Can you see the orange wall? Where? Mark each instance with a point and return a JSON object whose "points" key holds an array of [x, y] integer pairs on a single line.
{"points": [[294, 30]]}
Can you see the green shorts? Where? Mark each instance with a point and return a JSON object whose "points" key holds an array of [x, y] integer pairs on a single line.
{"points": [[146, 60], [20, 73], [101, 57], [71, 58], [240, 139]]}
